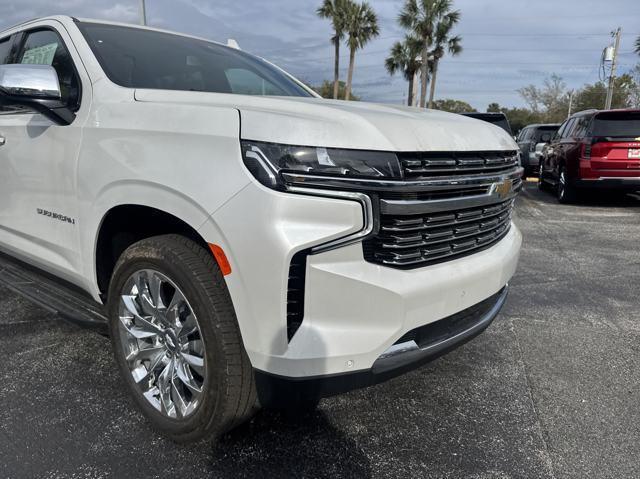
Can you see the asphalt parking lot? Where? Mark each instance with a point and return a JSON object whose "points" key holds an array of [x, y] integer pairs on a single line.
{"points": [[552, 389]]}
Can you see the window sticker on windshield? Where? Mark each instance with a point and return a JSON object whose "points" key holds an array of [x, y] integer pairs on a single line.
{"points": [[40, 55]]}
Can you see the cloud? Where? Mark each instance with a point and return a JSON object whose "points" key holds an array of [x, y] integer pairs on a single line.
{"points": [[121, 13], [508, 43]]}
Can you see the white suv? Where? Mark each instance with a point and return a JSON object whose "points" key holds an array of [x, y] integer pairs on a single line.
{"points": [[252, 243]]}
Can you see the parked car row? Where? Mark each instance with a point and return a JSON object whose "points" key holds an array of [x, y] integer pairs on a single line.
{"points": [[531, 141], [592, 150]]}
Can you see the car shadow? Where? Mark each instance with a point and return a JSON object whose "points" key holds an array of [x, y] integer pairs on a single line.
{"points": [[278, 444], [593, 198], [289, 442]]}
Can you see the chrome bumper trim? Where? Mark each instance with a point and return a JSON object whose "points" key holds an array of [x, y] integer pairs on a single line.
{"points": [[418, 207], [404, 352], [367, 212], [411, 186]]}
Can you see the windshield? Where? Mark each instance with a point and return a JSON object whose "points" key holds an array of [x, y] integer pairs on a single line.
{"points": [[545, 133], [137, 58], [622, 124]]}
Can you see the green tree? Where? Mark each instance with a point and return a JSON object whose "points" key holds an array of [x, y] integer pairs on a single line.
{"points": [[404, 58], [422, 17], [325, 90], [518, 117], [550, 102], [361, 27], [594, 96], [336, 11], [634, 94], [443, 42], [453, 106]]}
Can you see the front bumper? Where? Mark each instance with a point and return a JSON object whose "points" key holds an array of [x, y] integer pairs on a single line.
{"points": [[415, 349], [354, 310], [532, 160]]}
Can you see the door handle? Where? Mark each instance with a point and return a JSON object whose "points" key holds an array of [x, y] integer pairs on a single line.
{"points": [[3, 140]]}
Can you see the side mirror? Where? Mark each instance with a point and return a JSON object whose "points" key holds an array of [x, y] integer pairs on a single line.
{"points": [[539, 151], [35, 87]]}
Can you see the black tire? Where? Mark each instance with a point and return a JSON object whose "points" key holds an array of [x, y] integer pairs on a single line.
{"points": [[542, 185], [565, 192], [230, 396]]}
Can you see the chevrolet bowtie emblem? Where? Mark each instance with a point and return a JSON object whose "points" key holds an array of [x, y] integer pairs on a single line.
{"points": [[503, 189]]}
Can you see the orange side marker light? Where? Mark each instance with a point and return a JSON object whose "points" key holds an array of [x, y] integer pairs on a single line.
{"points": [[221, 259]]}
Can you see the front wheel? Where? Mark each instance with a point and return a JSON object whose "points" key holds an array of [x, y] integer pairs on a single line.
{"points": [[566, 192], [542, 185], [176, 339]]}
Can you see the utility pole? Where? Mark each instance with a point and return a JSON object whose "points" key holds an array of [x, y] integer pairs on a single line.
{"points": [[143, 13], [612, 77], [570, 103]]}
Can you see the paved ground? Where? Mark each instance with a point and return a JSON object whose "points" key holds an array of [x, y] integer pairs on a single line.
{"points": [[551, 390]]}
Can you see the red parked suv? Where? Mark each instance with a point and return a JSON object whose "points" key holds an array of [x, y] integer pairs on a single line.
{"points": [[593, 149]]}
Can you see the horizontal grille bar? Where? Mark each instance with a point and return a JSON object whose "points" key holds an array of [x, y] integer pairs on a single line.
{"points": [[415, 241], [420, 165]]}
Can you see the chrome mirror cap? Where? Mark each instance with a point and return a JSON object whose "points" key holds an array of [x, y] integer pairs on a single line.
{"points": [[30, 81]]}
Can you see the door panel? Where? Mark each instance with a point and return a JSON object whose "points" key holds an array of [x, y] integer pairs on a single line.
{"points": [[39, 205], [38, 186]]}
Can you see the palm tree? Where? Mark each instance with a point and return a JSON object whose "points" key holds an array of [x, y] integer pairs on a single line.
{"points": [[404, 57], [443, 43], [336, 11], [361, 27], [422, 18]]}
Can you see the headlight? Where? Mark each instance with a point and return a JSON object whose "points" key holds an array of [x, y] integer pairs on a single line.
{"points": [[267, 161]]}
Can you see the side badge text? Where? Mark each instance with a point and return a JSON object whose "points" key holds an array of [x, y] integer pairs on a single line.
{"points": [[56, 216]]}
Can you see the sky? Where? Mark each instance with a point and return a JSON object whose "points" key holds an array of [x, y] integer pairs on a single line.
{"points": [[507, 43]]}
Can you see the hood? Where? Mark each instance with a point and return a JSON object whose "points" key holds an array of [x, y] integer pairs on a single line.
{"points": [[341, 124]]}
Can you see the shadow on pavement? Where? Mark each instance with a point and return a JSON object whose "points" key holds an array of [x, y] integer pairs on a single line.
{"points": [[276, 445], [595, 198]]}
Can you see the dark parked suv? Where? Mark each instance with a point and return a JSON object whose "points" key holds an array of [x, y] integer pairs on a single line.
{"points": [[498, 119], [593, 149], [529, 137]]}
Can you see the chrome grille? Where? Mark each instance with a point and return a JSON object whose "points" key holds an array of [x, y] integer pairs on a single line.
{"points": [[419, 240], [421, 165]]}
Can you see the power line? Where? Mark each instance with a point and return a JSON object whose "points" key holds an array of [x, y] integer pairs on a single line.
{"points": [[399, 37], [386, 51]]}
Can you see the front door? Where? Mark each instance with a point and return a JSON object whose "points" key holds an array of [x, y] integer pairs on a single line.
{"points": [[39, 212]]}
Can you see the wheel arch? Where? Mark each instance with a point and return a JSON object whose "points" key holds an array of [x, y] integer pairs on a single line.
{"points": [[125, 224]]}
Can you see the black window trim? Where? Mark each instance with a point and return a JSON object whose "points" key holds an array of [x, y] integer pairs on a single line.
{"points": [[560, 132], [569, 129], [12, 46]]}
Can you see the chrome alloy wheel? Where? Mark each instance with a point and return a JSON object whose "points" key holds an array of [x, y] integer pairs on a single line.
{"points": [[162, 343], [562, 186]]}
